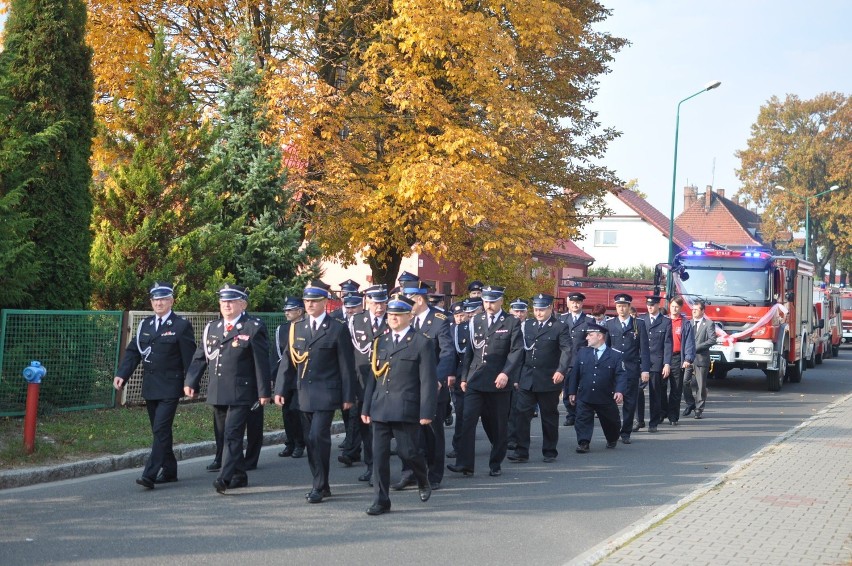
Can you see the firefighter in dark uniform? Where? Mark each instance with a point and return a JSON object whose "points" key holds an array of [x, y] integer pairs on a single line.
{"points": [[629, 335], [460, 335], [400, 398], [576, 321], [164, 343], [319, 350], [548, 353], [490, 368], [294, 437], [364, 328], [660, 352], [235, 351], [520, 310], [346, 288], [474, 289], [433, 324], [596, 385]]}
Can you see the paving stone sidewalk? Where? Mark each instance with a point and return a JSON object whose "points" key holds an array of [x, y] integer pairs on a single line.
{"points": [[790, 503]]}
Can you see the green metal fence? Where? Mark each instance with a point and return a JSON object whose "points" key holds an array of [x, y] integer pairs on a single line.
{"points": [[80, 350]]}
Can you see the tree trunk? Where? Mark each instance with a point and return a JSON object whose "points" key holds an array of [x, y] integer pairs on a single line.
{"points": [[387, 273]]}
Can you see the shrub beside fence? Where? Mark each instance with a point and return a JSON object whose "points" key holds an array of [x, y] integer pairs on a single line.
{"points": [[81, 351]]}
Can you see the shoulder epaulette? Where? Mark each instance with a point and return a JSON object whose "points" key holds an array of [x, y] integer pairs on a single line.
{"points": [[338, 320], [440, 315], [615, 350]]}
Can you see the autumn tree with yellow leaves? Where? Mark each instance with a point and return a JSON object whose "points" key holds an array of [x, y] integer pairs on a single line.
{"points": [[460, 129]]}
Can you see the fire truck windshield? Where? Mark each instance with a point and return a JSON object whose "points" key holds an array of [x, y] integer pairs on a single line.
{"points": [[846, 303], [733, 286]]}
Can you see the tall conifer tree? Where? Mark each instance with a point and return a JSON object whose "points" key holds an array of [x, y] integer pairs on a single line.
{"points": [[46, 122]]}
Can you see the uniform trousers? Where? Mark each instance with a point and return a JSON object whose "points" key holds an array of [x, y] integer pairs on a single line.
{"points": [[253, 432], [695, 386], [292, 418], [548, 403], [234, 419], [432, 443], [570, 410], [458, 407], [512, 426], [359, 433], [674, 385], [161, 413], [493, 407], [628, 409], [607, 415], [655, 400], [406, 435], [317, 428]]}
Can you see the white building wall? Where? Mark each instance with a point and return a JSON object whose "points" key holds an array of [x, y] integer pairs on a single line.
{"points": [[334, 273], [636, 241]]}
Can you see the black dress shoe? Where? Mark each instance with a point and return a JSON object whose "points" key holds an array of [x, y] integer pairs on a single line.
{"points": [[287, 452], [518, 458], [512, 446], [495, 472], [612, 444], [698, 414], [549, 459], [298, 452], [345, 460], [366, 475], [147, 483], [325, 492], [568, 421], [652, 428], [449, 420], [625, 439], [638, 425], [165, 479], [314, 496], [404, 481], [214, 466], [460, 469], [220, 486], [238, 481], [688, 410], [378, 509], [435, 485], [582, 448], [425, 492], [452, 454]]}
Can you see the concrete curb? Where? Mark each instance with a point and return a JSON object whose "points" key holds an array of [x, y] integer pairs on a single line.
{"points": [[135, 459], [620, 539]]}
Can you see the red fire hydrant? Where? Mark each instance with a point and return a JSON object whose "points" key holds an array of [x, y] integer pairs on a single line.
{"points": [[33, 374]]}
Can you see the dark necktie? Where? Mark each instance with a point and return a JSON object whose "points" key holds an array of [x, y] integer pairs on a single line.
{"points": [[159, 322], [375, 324], [597, 354], [491, 320], [416, 324], [624, 325], [313, 327], [395, 340], [576, 318]]}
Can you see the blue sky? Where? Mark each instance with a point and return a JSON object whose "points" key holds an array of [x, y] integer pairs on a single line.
{"points": [[756, 48]]}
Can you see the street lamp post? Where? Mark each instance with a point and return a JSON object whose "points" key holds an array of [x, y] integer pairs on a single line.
{"points": [[807, 200], [710, 86]]}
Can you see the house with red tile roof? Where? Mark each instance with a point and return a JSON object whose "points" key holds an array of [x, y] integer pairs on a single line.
{"points": [[711, 217], [634, 234]]}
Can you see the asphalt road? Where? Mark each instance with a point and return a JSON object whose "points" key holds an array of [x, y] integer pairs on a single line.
{"points": [[535, 513]]}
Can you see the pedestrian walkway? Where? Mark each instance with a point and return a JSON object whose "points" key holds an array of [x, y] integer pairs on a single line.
{"points": [[790, 503]]}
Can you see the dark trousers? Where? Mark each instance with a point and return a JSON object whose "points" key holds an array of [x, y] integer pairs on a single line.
{"points": [[628, 408], [233, 419], [254, 432], [607, 415], [406, 435], [458, 407], [674, 386], [436, 443], [317, 427], [570, 410], [161, 414], [548, 403], [512, 425], [347, 440], [292, 418], [655, 400], [494, 409], [695, 386], [359, 433]]}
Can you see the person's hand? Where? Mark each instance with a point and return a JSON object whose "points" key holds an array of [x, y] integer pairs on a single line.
{"points": [[263, 400], [425, 421], [464, 386], [501, 381], [189, 392], [619, 398], [572, 399], [451, 380], [667, 370], [365, 419], [347, 405], [118, 383], [279, 400], [558, 377]]}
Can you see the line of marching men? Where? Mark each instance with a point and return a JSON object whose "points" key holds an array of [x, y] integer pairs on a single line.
{"points": [[393, 362]]}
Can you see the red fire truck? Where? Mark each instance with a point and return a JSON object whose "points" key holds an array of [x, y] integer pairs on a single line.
{"points": [[827, 314], [602, 290], [846, 312], [760, 301]]}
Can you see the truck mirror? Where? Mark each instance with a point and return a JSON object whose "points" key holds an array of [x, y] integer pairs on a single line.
{"points": [[790, 296]]}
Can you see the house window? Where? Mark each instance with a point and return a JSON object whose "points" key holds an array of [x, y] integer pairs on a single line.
{"points": [[605, 238], [447, 288]]}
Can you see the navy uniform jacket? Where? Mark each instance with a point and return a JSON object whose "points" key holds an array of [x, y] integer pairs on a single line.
{"points": [[596, 381], [165, 365], [407, 392], [238, 364], [546, 350], [502, 352], [460, 333], [632, 342], [687, 339], [578, 331], [326, 379], [280, 350], [361, 329], [659, 341], [437, 327]]}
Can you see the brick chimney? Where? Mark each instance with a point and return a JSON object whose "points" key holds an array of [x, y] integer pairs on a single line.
{"points": [[708, 197], [720, 192], [690, 196]]}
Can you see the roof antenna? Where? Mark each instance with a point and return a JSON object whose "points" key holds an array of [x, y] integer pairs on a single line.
{"points": [[713, 174]]}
